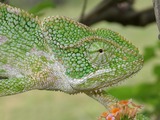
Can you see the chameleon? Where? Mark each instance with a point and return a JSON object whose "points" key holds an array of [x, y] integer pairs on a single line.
{"points": [[60, 54]]}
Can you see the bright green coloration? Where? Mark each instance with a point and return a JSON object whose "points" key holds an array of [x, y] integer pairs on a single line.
{"points": [[141, 117], [61, 54]]}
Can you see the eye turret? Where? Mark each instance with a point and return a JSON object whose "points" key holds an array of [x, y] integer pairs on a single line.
{"points": [[99, 53]]}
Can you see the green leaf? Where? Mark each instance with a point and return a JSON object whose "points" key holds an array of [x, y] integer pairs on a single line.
{"points": [[146, 93], [158, 45], [157, 70], [149, 53]]}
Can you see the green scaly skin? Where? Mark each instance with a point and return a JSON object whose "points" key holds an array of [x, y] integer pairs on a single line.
{"points": [[61, 54]]}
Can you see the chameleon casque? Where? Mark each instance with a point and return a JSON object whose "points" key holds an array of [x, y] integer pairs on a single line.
{"points": [[60, 54]]}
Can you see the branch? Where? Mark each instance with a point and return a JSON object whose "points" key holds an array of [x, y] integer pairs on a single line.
{"points": [[156, 5], [120, 11], [83, 9]]}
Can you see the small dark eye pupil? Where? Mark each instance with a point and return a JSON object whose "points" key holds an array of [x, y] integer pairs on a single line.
{"points": [[100, 50]]}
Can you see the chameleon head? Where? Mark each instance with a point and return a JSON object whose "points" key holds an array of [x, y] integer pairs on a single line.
{"points": [[105, 62], [92, 59]]}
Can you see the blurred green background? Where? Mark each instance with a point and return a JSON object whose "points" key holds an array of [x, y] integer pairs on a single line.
{"points": [[144, 87]]}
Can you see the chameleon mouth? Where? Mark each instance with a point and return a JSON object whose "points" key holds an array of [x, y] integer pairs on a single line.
{"points": [[115, 81], [100, 83], [98, 91]]}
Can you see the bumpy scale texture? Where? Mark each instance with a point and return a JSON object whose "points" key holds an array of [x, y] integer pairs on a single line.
{"points": [[61, 54]]}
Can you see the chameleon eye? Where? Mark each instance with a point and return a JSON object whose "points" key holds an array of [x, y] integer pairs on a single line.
{"points": [[100, 50], [99, 53]]}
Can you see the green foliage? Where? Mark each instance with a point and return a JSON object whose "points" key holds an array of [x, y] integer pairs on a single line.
{"points": [[157, 71], [138, 117], [149, 53], [141, 117]]}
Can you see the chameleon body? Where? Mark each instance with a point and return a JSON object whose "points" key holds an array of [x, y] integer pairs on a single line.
{"points": [[61, 54]]}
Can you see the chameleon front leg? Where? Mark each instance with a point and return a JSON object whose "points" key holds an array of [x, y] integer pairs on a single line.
{"points": [[12, 86], [103, 97]]}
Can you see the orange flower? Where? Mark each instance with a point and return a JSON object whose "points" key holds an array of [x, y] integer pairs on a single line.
{"points": [[120, 109], [115, 111], [124, 102], [104, 115]]}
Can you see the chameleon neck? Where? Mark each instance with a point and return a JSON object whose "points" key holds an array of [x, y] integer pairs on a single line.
{"points": [[57, 79]]}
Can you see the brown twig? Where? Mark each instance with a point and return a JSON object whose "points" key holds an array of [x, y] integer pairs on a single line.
{"points": [[83, 10], [120, 11], [156, 5]]}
